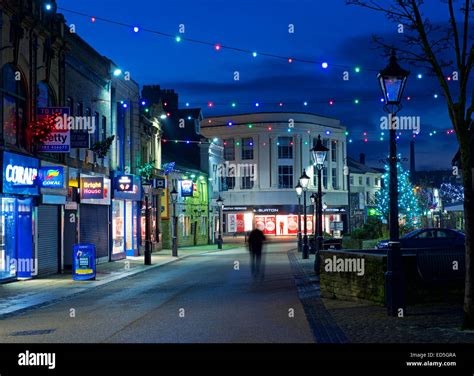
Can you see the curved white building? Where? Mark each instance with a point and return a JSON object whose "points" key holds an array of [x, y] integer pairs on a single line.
{"points": [[255, 161]]}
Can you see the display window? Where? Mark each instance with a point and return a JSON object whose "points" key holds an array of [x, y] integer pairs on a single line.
{"points": [[118, 226], [16, 226]]}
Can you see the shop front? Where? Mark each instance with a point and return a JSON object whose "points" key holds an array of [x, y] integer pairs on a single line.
{"points": [[17, 219], [95, 199], [278, 220], [125, 209], [51, 180], [281, 220]]}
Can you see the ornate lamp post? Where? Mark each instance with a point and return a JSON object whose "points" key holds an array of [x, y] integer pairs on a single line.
{"points": [[304, 181], [319, 153], [174, 245], [146, 186], [220, 205], [299, 191], [314, 202], [392, 80]]}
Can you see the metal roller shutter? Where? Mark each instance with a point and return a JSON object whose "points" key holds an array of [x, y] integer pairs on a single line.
{"points": [[48, 239], [94, 223]]}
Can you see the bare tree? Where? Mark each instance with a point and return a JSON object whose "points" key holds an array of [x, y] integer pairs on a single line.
{"points": [[439, 47]]}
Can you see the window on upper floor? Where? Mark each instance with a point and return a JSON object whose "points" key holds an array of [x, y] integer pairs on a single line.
{"points": [[285, 177], [229, 149], [334, 177], [285, 148], [367, 181], [13, 106], [360, 180], [247, 148]]}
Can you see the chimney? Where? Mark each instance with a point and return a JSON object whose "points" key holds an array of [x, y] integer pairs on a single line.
{"points": [[362, 158]]}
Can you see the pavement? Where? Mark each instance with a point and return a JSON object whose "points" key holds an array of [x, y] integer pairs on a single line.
{"points": [[341, 321], [19, 296], [203, 298]]}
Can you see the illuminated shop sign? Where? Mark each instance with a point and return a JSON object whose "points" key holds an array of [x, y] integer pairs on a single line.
{"points": [[92, 188], [186, 188], [51, 177], [19, 174], [124, 183]]}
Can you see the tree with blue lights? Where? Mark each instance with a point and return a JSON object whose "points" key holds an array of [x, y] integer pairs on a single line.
{"points": [[408, 205]]}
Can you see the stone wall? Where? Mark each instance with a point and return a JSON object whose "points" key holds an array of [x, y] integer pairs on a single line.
{"points": [[348, 285]]}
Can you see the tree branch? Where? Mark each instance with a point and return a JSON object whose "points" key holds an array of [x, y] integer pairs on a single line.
{"points": [[454, 25]]}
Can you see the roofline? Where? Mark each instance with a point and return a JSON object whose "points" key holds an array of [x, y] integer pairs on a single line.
{"points": [[273, 112]]}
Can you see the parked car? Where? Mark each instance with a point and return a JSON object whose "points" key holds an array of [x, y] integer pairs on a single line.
{"points": [[429, 238]]}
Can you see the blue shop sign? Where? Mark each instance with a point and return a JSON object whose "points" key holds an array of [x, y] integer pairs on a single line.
{"points": [[84, 262], [51, 177], [19, 174], [133, 192], [186, 188]]}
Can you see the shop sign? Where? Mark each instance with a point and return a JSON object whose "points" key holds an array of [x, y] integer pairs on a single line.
{"points": [[124, 183], [84, 262], [186, 188], [51, 177], [92, 188], [128, 187], [20, 174], [58, 141], [159, 183]]}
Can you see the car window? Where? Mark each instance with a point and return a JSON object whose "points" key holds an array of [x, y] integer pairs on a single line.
{"points": [[444, 234], [426, 235]]}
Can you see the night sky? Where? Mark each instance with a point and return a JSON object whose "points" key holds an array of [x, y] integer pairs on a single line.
{"points": [[324, 31]]}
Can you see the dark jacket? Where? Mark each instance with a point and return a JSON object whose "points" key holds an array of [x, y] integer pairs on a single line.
{"points": [[256, 239]]}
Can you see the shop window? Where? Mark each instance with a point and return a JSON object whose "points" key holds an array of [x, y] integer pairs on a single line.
{"points": [[285, 148], [285, 177], [203, 225], [13, 106], [118, 227], [247, 148]]}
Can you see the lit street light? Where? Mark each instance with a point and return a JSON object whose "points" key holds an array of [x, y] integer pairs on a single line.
{"points": [[220, 205], [319, 153], [299, 192], [146, 190], [174, 245], [304, 181], [392, 81]]}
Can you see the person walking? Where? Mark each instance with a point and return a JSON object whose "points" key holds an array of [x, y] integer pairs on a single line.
{"points": [[256, 240]]}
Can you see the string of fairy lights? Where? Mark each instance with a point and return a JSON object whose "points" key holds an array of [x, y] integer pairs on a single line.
{"points": [[365, 136]]}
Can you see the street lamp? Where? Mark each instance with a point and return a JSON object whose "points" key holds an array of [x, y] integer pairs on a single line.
{"points": [[392, 82], [304, 181], [299, 192], [146, 190], [174, 245], [319, 153], [220, 205], [314, 201]]}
